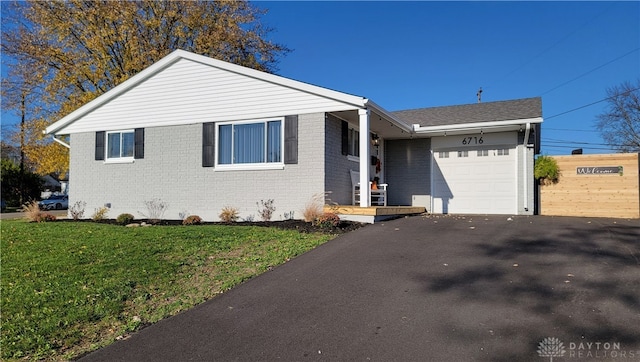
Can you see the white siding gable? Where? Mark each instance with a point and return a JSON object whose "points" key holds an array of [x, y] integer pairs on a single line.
{"points": [[188, 91]]}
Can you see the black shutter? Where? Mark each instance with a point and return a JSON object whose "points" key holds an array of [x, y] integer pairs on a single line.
{"points": [[291, 140], [345, 138], [100, 138], [139, 143], [208, 144]]}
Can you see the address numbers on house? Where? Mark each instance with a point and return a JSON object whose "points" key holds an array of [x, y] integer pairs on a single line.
{"points": [[472, 141]]}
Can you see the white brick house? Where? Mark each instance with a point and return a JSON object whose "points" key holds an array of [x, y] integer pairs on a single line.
{"points": [[201, 134]]}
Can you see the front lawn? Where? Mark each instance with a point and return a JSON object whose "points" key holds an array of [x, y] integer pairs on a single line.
{"points": [[72, 287]]}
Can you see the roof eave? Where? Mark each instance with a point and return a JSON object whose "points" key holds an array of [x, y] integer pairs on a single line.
{"points": [[487, 127], [391, 118]]}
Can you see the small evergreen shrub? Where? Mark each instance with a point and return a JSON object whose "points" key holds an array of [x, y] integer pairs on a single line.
{"points": [[327, 220], [192, 220], [125, 219], [229, 214]]}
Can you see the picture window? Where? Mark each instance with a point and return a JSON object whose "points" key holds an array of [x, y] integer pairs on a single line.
{"points": [[245, 143]]}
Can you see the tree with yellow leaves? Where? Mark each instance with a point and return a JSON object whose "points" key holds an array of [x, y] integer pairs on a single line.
{"points": [[63, 54]]}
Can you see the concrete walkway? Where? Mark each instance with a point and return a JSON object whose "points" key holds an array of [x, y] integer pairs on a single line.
{"points": [[481, 288]]}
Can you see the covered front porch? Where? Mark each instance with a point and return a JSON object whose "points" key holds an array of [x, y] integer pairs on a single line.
{"points": [[364, 133], [372, 214]]}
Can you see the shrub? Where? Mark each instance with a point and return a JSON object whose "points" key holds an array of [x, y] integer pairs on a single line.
{"points": [[44, 217], [100, 214], [266, 209], [313, 208], [546, 170], [229, 214], [192, 220], [18, 187], [32, 211], [327, 220], [77, 210], [155, 210], [125, 219]]}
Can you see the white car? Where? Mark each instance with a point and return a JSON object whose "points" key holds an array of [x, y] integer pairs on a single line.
{"points": [[57, 202]]}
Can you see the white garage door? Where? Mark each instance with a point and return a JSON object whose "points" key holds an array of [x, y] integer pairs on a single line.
{"points": [[475, 181]]}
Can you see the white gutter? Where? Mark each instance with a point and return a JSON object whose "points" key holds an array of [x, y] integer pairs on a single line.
{"points": [[61, 142], [525, 173], [476, 125]]}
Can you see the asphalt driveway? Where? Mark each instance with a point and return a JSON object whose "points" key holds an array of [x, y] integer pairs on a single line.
{"points": [[448, 288]]}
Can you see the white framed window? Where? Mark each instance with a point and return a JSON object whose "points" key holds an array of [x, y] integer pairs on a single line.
{"points": [[483, 153], [443, 154], [254, 144], [120, 146], [463, 153], [503, 152]]}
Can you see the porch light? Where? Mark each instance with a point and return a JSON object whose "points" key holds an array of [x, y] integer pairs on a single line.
{"points": [[375, 139]]}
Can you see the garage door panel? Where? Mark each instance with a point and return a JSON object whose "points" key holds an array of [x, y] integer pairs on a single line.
{"points": [[482, 188], [475, 184]]}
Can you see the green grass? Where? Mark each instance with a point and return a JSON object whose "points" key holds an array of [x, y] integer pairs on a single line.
{"points": [[72, 287]]}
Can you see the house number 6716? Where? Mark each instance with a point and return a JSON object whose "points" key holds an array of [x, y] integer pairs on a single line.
{"points": [[472, 141]]}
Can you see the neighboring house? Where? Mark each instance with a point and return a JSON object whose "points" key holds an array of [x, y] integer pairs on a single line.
{"points": [[201, 134], [50, 186]]}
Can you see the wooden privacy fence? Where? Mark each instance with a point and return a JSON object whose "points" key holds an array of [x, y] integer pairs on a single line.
{"points": [[594, 185]]}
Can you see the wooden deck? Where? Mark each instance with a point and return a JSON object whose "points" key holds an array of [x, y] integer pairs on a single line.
{"points": [[373, 213]]}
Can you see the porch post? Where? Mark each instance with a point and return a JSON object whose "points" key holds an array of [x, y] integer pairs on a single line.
{"points": [[365, 156]]}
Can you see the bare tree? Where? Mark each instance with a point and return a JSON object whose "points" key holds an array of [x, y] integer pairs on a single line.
{"points": [[620, 123]]}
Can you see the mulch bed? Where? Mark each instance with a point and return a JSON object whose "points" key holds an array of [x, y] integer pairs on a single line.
{"points": [[299, 225]]}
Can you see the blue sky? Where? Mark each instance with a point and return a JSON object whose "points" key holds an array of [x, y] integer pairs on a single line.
{"points": [[405, 55]]}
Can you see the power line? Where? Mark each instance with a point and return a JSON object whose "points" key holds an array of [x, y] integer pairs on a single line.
{"points": [[565, 37], [591, 71], [587, 105], [580, 143], [573, 147], [569, 129]]}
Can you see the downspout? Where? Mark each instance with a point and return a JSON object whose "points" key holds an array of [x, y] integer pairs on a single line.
{"points": [[61, 142], [524, 166]]}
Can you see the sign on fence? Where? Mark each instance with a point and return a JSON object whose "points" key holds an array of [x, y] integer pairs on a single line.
{"points": [[601, 170]]}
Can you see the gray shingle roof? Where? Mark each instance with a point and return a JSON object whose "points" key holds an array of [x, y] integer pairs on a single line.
{"points": [[472, 113]]}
